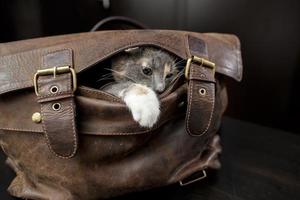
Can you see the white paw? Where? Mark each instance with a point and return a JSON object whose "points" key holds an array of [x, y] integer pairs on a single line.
{"points": [[143, 104]]}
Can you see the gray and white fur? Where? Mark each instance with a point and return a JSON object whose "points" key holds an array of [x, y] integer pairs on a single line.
{"points": [[140, 73]]}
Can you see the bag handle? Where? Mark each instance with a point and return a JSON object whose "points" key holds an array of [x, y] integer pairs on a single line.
{"points": [[108, 22]]}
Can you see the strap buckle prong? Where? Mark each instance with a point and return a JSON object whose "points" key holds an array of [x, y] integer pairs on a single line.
{"points": [[203, 62], [54, 70]]}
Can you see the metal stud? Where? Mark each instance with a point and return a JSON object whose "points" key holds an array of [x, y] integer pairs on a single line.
{"points": [[36, 117]]}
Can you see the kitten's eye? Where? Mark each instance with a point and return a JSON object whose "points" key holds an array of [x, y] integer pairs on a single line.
{"points": [[169, 75], [147, 71]]}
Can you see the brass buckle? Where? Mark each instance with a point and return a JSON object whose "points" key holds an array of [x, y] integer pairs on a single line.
{"points": [[54, 71], [183, 183], [203, 62]]}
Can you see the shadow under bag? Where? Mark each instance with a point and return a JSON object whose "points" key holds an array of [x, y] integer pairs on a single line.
{"points": [[68, 140]]}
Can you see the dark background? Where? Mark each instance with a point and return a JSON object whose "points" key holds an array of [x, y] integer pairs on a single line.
{"points": [[269, 31]]}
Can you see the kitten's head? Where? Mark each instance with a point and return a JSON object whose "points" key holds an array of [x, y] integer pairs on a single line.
{"points": [[150, 66]]}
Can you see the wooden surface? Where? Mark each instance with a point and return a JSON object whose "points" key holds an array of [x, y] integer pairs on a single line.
{"points": [[259, 163]]}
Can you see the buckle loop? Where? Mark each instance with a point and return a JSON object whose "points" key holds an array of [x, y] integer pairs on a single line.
{"points": [[203, 62], [54, 71], [184, 183]]}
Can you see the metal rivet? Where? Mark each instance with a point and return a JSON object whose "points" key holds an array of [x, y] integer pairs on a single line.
{"points": [[202, 91], [36, 117], [54, 89], [56, 106]]}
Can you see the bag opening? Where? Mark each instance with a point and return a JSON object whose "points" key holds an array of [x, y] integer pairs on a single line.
{"points": [[100, 74]]}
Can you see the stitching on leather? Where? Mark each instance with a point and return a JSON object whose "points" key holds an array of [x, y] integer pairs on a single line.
{"points": [[21, 130], [72, 110], [43, 123], [45, 131], [56, 98], [238, 72], [71, 106], [190, 94], [56, 94], [211, 113], [102, 133], [114, 99], [191, 87], [189, 106], [106, 134], [47, 137], [75, 141]]}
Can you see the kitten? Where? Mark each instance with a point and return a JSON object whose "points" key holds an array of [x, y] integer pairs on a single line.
{"points": [[140, 73]]}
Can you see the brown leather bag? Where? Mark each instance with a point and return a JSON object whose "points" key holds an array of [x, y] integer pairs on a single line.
{"points": [[67, 140]]}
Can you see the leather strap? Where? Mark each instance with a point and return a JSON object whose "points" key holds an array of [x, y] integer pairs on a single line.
{"points": [[201, 91], [55, 95]]}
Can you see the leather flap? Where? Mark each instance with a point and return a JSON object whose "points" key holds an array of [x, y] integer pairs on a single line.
{"points": [[20, 60]]}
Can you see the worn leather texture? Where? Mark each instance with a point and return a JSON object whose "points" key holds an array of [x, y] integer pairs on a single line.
{"points": [[62, 120], [91, 148]]}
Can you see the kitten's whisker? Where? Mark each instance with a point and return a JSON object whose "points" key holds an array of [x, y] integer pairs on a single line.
{"points": [[105, 77], [174, 60], [108, 74], [177, 63]]}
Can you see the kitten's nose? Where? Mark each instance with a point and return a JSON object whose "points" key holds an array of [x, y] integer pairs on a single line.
{"points": [[160, 87]]}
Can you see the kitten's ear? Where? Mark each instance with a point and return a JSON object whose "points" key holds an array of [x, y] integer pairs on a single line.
{"points": [[133, 50]]}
